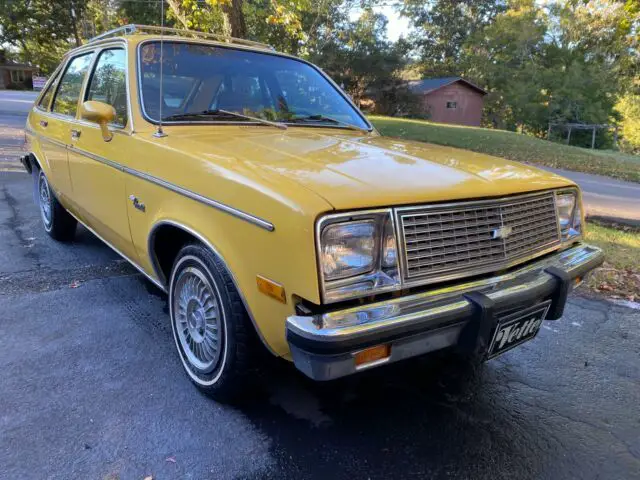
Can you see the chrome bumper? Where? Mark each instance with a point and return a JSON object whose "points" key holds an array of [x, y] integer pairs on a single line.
{"points": [[323, 346]]}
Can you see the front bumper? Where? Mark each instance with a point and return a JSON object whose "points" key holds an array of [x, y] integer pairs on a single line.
{"points": [[324, 346]]}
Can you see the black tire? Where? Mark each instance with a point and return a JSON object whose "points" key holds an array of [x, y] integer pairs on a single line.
{"points": [[57, 222], [234, 371]]}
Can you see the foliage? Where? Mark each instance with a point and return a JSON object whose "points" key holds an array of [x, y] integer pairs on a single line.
{"points": [[515, 146], [629, 109], [273, 21], [442, 28], [359, 58], [29, 27], [134, 11]]}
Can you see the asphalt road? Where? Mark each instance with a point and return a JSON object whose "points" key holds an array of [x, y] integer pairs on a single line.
{"points": [[91, 388], [14, 107]]}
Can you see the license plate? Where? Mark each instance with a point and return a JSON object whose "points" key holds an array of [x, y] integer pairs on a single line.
{"points": [[518, 328]]}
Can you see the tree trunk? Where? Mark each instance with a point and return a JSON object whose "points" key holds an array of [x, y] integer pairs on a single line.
{"points": [[235, 16], [74, 24]]}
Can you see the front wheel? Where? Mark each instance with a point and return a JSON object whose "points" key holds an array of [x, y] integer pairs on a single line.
{"points": [[57, 222], [211, 328]]}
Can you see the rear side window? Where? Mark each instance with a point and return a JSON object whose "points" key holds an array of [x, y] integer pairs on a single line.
{"points": [[45, 100], [108, 83], [66, 101]]}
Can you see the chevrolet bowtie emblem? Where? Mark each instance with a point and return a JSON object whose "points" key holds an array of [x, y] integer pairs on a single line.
{"points": [[502, 232]]}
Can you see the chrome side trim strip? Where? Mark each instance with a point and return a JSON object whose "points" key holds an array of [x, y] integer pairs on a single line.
{"points": [[137, 267], [207, 201], [158, 271], [182, 191], [247, 217], [51, 140]]}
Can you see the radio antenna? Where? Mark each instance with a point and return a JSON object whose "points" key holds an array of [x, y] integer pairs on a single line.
{"points": [[159, 132]]}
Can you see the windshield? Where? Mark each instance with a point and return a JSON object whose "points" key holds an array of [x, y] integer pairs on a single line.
{"points": [[205, 80]]}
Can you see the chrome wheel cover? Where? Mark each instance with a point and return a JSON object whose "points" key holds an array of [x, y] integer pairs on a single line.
{"points": [[197, 320], [45, 200]]}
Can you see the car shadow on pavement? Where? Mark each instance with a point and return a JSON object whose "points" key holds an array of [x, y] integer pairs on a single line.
{"points": [[426, 418]]}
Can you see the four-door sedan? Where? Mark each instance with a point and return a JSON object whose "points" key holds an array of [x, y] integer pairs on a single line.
{"points": [[245, 184]]}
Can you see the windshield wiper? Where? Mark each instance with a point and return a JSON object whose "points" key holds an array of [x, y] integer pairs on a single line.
{"points": [[224, 113], [324, 118]]}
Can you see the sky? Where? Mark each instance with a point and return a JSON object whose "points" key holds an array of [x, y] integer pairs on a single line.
{"points": [[397, 25]]}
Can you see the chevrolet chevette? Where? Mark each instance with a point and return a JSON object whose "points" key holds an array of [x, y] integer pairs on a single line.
{"points": [[246, 185]]}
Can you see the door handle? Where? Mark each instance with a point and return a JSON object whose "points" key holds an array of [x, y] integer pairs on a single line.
{"points": [[44, 123], [75, 134]]}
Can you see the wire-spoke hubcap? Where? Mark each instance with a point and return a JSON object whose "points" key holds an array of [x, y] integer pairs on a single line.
{"points": [[45, 199], [197, 319]]}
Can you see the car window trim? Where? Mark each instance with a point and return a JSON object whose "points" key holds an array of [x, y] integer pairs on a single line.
{"points": [[51, 83], [83, 85], [92, 71], [129, 129], [335, 86]]}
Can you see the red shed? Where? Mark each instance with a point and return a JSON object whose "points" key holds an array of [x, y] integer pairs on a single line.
{"points": [[450, 100]]}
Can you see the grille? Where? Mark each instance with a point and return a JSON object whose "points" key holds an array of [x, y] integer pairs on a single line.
{"points": [[476, 237]]}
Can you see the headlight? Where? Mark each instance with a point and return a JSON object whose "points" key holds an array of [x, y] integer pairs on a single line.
{"points": [[569, 214], [347, 249], [357, 254]]}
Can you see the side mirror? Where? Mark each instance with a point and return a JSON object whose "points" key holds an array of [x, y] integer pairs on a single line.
{"points": [[100, 113]]}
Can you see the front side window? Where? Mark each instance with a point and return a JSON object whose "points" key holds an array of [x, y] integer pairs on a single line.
{"points": [[66, 101], [206, 83], [108, 83]]}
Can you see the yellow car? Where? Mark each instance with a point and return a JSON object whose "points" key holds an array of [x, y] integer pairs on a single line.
{"points": [[245, 184]]}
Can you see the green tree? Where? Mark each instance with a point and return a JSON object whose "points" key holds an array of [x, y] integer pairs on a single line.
{"points": [[359, 58], [442, 27], [242, 19], [563, 63], [629, 110], [27, 27], [134, 11]]}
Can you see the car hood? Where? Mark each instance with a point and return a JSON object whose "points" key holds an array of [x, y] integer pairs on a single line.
{"points": [[352, 170]]}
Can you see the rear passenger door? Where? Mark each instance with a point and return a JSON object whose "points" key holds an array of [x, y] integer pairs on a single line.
{"points": [[55, 127]]}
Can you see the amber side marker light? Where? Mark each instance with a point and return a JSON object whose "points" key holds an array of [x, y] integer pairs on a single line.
{"points": [[372, 355], [271, 289]]}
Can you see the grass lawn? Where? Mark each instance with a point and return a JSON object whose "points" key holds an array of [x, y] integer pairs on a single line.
{"points": [[619, 277], [514, 146]]}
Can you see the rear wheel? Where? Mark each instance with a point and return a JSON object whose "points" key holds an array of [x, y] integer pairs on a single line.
{"points": [[211, 328], [57, 222]]}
